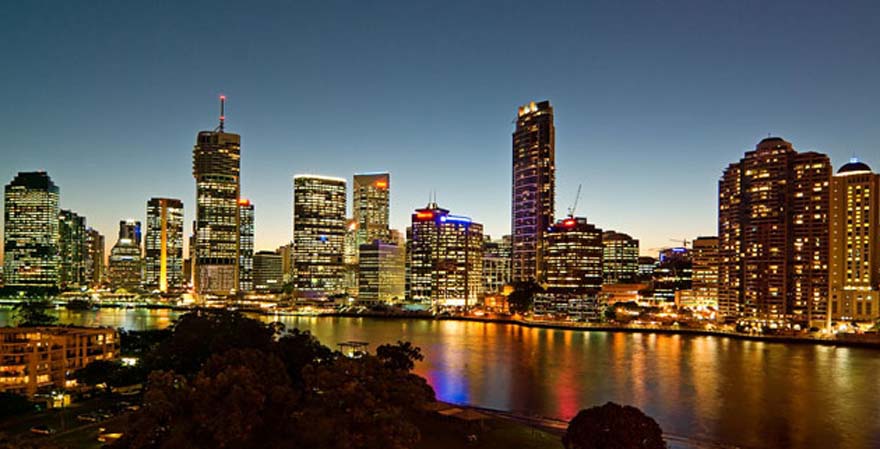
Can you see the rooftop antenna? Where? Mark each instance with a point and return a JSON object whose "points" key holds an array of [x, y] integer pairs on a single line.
{"points": [[222, 111]]}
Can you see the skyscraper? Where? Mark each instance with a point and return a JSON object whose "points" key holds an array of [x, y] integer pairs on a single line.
{"points": [[496, 264], [72, 250], [246, 246], [125, 269], [371, 199], [95, 266], [704, 256], [673, 274], [620, 258], [381, 272], [318, 235], [216, 167], [268, 271], [534, 180], [573, 260], [445, 258], [773, 234], [163, 244], [30, 237], [854, 278]]}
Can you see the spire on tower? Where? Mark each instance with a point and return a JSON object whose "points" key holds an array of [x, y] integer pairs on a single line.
{"points": [[222, 111]]}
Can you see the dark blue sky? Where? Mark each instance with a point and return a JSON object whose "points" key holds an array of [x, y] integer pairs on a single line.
{"points": [[653, 99]]}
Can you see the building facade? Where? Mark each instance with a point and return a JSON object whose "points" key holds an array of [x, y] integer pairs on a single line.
{"points": [[381, 272], [673, 274], [245, 245], [72, 250], [318, 235], [496, 264], [854, 278], [371, 198], [268, 271], [163, 246], [773, 234], [125, 267], [31, 231], [95, 268], [445, 258], [573, 260], [620, 258], [705, 260], [216, 169], [533, 195]]}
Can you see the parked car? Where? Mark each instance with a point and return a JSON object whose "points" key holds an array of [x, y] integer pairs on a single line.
{"points": [[42, 430]]}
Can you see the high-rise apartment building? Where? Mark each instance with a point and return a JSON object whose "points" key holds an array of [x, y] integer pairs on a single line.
{"points": [[268, 271], [163, 254], [620, 258], [31, 234], [318, 235], [371, 201], [854, 277], [381, 272], [445, 258], [125, 268], [704, 283], [216, 168], [95, 253], [533, 196], [496, 264], [773, 234], [72, 250], [573, 259], [246, 246]]}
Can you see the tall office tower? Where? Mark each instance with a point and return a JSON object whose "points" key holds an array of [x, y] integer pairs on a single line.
{"points": [[381, 272], [496, 264], [673, 273], [446, 258], [125, 268], [163, 255], [705, 260], [620, 258], [72, 250], [30, 237], [268, 271], [854, 278], [95, 266], [534, 180], [371, 201], [773, 234], [350, 258], [318, 235], [647, 265], [573, 259], [216, 167], [246, 246], [286, 252]]}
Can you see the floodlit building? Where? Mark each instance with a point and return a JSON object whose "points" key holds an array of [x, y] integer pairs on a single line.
{"points": [[33, 359], [31, 231], [268, 271], [381, 272], [245, 245], [704, 258], [72, 249], [620, 258], [533, 195], [216, 169], [125, 268], [573, 259], [773, 223], [445, 258], [371, 199], [854, 278], [163, 254], [318, 235]]}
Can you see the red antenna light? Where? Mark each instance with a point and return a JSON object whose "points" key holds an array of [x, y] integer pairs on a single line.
{"points": [[222, 111]]}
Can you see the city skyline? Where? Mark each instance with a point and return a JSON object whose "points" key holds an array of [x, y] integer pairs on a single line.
{"points": [[679, 129]]}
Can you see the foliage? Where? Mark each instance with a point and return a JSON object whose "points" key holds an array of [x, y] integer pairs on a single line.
{"points": [[32, 313], [613, 426], [138, 343], [402, 356], [522, 299], [113, 374], [12, 404]]}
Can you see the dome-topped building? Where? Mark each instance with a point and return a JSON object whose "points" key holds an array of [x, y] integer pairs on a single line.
{"points": [[854, 166]]}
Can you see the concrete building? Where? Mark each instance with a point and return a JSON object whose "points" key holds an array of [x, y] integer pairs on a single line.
{"points": [[496, 264], [318, 235], [534, 188], [381, 272], [573, 260], [673, 273], [445, 258], [773, 208], [163, 246], [705, 260], [268, 271], [31, 232], [854, 278], [620, 258], [72, 250], [370, 206], [95, 268]]}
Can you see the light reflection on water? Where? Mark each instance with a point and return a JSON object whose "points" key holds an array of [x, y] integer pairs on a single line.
{"points": [[754, 394]]}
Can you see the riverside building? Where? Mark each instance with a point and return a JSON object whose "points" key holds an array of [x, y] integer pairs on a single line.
{"points": [[318, 235], [163, 253], [31, 231]]}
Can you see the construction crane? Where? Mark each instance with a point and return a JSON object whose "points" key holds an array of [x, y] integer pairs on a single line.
{"points": [[575, 204], [684, 242]]}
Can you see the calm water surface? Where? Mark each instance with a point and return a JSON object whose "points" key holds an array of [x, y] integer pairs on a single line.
{"points": [[753, 394]]}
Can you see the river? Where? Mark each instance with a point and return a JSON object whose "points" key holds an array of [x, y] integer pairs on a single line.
{"points": [[746, 393]]}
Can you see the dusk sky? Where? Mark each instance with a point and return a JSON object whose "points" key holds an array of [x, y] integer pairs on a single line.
{"points": [[652, 100]]}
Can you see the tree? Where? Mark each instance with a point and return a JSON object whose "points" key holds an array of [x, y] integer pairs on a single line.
{"points": [[113, 374], [522, 298], [32, 313], [402, 356], [613, 426]]}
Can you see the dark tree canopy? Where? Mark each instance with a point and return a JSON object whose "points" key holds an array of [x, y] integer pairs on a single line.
{"points": [[401, 356], [12, 404], [33, 312], [613, 426], [522, 299]]}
